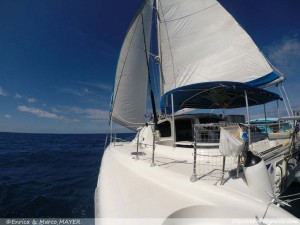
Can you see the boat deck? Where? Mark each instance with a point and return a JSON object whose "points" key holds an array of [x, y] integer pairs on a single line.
{"points": [[166, 187]]}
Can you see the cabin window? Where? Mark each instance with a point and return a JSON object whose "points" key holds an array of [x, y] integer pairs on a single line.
{"points": [[184, 130], [209, 120], [165, 129]]}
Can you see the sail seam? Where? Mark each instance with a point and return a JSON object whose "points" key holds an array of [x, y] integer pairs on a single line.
{"points": [[166, 21]]}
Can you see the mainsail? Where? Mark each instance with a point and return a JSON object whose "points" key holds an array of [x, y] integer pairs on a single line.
{"points": [[201, 42], [198, 42], [130, 90]]}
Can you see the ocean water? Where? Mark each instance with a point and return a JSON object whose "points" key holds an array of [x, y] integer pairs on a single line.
{"points": [[55, 175], [49, 175], [294, 201]]}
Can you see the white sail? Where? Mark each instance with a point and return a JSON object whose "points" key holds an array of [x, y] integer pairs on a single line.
{"points": [[201, 42], [130, 90]]}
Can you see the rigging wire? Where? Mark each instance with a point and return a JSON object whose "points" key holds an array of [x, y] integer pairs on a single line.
{"points": [[152, 56], [152, 61], [156, 59], [292, 200], [106, 138], [155, 82], [286, 107], [287, 98], [149, 77], [287, 196]]}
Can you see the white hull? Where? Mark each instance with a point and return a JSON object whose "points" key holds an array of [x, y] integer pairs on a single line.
{"points": [[130, 188], [206, 61]]}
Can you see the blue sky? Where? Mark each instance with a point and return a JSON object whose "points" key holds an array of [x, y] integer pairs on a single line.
{"points": [[58, 57]]}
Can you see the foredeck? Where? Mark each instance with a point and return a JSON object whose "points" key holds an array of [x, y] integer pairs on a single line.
{"points": [[166, 187]]}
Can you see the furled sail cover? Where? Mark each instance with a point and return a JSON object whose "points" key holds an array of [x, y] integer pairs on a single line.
{"points": [[201, 42], [130, 90]]}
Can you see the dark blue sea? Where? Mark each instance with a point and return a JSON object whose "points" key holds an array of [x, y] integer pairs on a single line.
{"points": [[55, 175], [49, 175]]}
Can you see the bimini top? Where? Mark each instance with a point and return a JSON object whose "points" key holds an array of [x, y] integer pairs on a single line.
{"points": [[215, 95]]}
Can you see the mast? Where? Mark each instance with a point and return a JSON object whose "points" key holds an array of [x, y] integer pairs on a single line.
{"points": [[159, 49], [150, 84]]}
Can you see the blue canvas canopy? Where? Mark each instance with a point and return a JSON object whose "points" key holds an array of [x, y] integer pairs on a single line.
{"points": [[215, 95], [264, 120], [267, 79]]}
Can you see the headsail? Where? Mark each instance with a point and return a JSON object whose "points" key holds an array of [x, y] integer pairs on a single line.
{"points": [[130, 90], [201, 42]]}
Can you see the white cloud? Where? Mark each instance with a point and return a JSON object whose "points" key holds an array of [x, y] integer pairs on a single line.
{"points": [[89, 113], [44, 114], [7, 116], [102, 86], [72, 91], [94, 114], [285, 54], [80, 93], [55, 110], [3, 92], [18, 96], [31, 100], [40, 113]]}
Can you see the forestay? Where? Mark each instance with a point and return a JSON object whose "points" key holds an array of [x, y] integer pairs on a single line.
{"points": [[201, 42], [130, 90]]}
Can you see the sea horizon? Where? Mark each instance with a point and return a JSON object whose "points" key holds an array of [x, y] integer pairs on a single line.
{"points": [[20, 132]]}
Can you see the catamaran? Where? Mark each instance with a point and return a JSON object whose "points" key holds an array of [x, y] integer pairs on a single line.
{"points": [[184, 163]]}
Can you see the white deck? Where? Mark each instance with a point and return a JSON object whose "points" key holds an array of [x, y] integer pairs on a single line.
{"points": [[130, 188]]}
